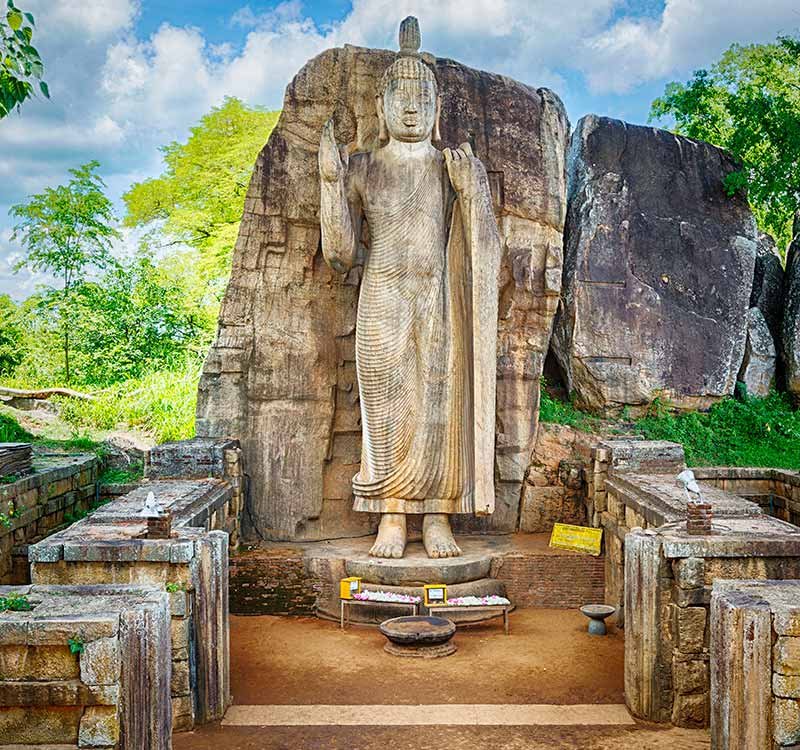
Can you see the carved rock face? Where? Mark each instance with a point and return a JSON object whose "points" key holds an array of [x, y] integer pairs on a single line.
{"points": [[409, 107], [281, 373]]}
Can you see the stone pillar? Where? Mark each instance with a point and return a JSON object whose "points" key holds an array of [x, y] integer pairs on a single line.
{"points": [[648, 672], [741, 672]]}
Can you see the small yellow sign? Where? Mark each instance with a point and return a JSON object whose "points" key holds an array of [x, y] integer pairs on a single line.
{"points": [[435, 593], [349, 586], [578, 538]]}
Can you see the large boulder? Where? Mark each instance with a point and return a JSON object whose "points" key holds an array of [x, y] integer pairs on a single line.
{"points": [[768, 293], [761, 366], [658, 269], [759, 363], [281, 377], [790, 333]]}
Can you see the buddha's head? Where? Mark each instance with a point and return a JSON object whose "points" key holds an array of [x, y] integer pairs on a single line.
{"points": [[408, 101]]}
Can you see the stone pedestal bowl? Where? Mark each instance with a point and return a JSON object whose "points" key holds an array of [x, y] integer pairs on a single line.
{"points": [[419, 636], [597, 614]]}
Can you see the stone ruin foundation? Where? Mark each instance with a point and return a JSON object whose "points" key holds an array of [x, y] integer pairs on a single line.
{"points": [[755, 664], [105, 567], [116, 686]]}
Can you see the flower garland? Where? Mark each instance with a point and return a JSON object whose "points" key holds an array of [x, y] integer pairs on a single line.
{"points": [[386, 596], [477, 601]]}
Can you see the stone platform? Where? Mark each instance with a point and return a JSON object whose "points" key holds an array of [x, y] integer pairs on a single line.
{"points": [[470, 574], [303, 579]]}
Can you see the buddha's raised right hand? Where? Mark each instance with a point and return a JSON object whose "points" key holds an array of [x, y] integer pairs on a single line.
{"points": [[333, 161]]}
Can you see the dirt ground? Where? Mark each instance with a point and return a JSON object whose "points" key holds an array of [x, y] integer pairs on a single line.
{"points": [[548, 658]]}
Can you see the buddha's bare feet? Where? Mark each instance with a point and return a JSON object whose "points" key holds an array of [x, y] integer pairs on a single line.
{"points": [[438, 537], [391, 541]]}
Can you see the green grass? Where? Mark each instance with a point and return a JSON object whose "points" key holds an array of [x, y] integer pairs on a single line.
{"points": [[116, 475], [161, 404], [734, 432], [745, 431], [12, 432], [564, 412]]}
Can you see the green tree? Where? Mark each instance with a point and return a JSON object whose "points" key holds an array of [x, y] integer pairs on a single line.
{"points": [[11, 336], [20, 63], [137, 317], [66, 230], [199, 199], [749, 104]]}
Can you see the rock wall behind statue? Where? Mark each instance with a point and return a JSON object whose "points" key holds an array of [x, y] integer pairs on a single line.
{"points": [[280, 375], [658, 269]]}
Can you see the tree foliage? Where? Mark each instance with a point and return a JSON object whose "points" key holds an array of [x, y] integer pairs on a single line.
{"points": [[198, 200], [20, 63], [749, 104], [11, 335], [65, 231]]}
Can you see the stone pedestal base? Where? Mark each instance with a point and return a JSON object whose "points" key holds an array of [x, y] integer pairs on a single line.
{"points": [[421, 652]]}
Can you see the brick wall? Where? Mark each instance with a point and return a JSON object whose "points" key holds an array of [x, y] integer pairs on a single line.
{"points": [[551, 580], [271, 582]]}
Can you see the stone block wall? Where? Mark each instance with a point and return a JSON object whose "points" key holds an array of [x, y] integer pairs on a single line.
{"points": [[37, 504], [555, 481], [777, 491], [194, 563], [110, 547], [669, 577], [755, 674], [204, 458], [110, 690]]}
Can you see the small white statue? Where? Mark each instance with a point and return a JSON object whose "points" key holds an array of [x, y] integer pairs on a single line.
{"points": [[151, 508], [690, 486]]}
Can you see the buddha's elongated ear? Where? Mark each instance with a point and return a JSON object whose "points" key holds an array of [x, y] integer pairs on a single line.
{"points": [[383, 131], [436, 135]]}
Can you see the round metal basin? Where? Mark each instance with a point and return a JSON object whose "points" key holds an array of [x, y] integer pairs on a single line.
{"points": [[418, 630]]}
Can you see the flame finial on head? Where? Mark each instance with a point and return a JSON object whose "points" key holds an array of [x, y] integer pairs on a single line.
{"points": [[410, 38], [408, 63]]}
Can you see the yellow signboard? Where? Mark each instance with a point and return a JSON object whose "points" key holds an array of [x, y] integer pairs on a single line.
{"points": [[578, 538], [435, 593], [349, 586]]}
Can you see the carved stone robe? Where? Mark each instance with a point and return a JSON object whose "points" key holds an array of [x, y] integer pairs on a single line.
{"points": [[422, 356]]}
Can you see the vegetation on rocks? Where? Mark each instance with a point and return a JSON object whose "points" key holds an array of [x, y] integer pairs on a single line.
{"points": [[749, 104], [743, 431]]}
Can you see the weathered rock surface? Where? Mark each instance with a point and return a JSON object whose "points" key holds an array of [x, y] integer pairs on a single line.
{"points": [[759, 363], [280, 376], [790, 332], [768, 292], [658, 269]]}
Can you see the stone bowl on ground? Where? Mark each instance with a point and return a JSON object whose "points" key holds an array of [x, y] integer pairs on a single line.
{"points": [[419, 636], [597, 614]]}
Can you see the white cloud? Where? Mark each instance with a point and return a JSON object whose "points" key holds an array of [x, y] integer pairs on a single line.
{"points": [[688, 34], [117, 96]]}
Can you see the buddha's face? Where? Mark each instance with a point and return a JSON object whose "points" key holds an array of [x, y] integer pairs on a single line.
{"points": [[409, 106]]}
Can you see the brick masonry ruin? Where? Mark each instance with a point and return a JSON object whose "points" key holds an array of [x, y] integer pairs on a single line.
{"points": [[39, 503], [200, 483]]}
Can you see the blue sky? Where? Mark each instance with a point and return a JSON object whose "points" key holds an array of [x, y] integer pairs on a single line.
{"points": [[127, 76]]}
